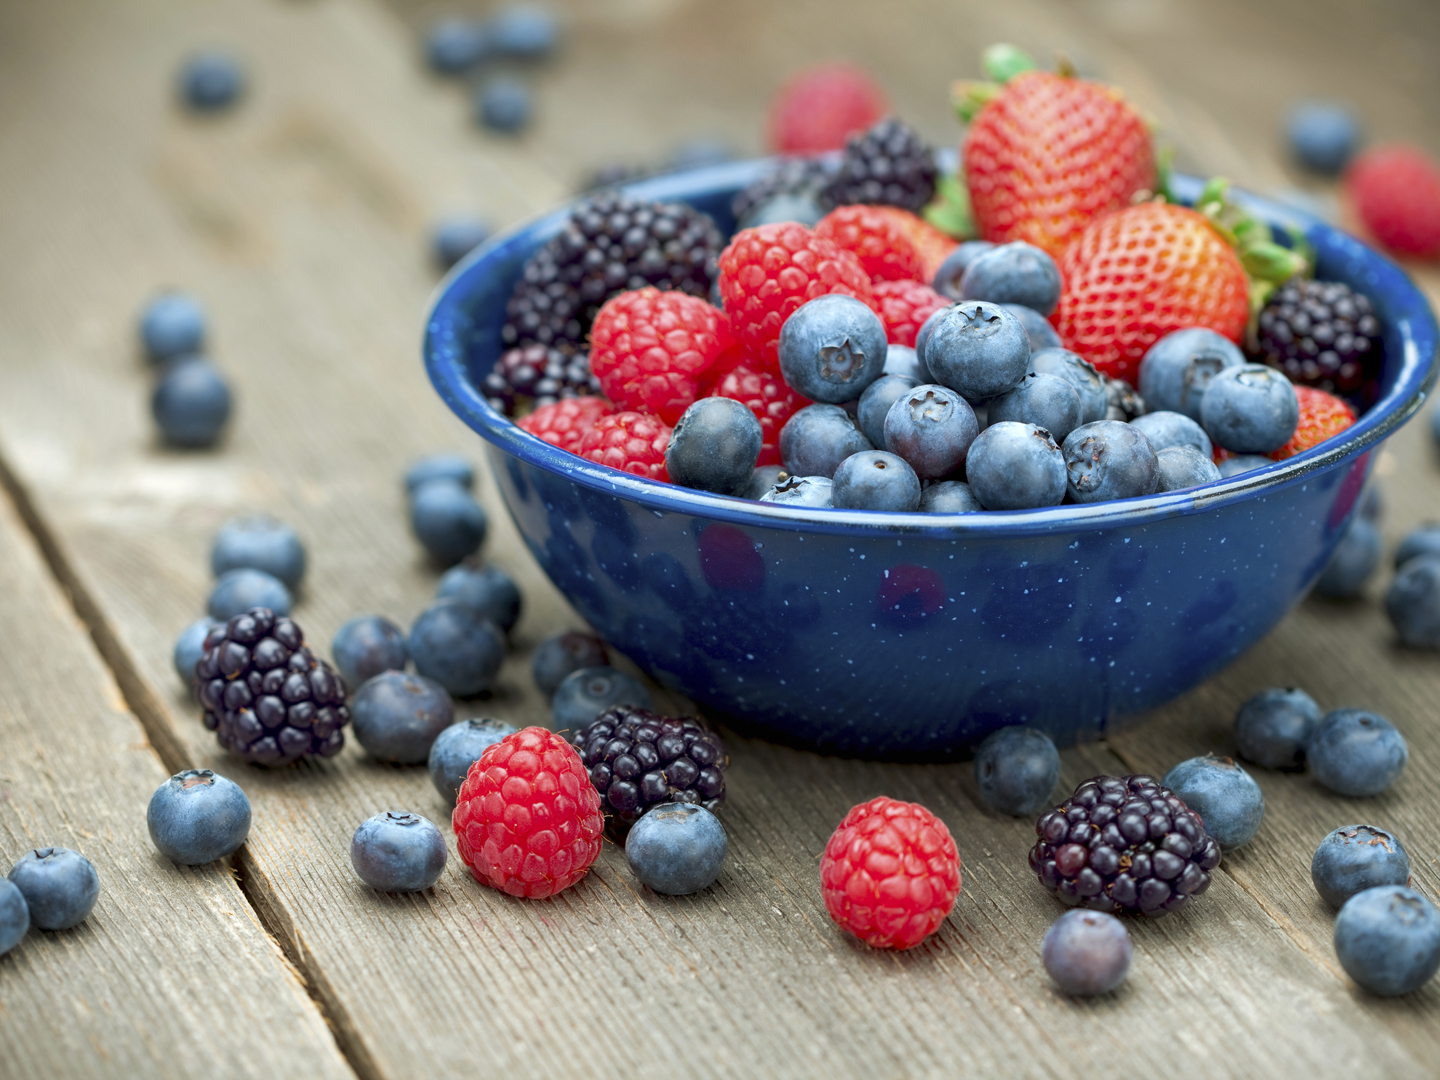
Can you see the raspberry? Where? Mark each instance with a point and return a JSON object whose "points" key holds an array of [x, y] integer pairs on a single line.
{"points": [[769, 271], [821, 107], [565, 423], [1322, 415], [629, 441], [904, 306], [890, 873], [527, 821], [1396, 190], [883, 249], [648, 347], [766, 395], [932, 245]]}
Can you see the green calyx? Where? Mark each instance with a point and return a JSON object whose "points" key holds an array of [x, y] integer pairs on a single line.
{"points": [[1267, 263], [970, 97], [1003, 62], [950, 210]]}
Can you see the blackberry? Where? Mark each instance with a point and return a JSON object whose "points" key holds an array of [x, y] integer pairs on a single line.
{"points": [[888, 165], [1124, 844], [535, 375], [269, 699], [638, 760], [610, 244], [803, 176], [1321, 334]]}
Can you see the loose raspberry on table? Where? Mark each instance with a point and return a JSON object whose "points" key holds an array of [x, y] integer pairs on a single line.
{"points": [[648, 347], [821, 107], [769, 271], [1396, 191], [904, 306], [877, 241], [766, 395], [890, 873], [1322, 416], [527, 820], [565, 423], [629, 441]]}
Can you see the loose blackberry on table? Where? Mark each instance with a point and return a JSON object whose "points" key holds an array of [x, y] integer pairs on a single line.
{"points": [[1322, 334]]}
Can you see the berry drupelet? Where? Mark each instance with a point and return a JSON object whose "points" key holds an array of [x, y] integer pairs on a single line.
{"points": [[269, 699], [638, 759], [538, 376], [1124, 844], [1322, 334], [888, 165]]}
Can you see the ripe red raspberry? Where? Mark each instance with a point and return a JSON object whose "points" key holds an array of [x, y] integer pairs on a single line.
{"points": [[629, 441], [1396, 190], [528, 820], [877, 240], [890, 873], [904, 306], [818, 108], [1322, 415], [769, 271], [647, 348], [565, 422], [766, 395], [932, 245]]}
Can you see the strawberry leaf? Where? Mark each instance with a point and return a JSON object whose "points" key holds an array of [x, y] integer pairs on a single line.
{"points": [[1003, 62]]}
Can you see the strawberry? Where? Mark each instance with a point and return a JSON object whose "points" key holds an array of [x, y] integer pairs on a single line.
{"points": [[1322, 416], [1049, 154], [1135, 275]]}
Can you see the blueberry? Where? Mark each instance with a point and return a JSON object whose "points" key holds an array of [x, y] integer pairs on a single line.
{"points": [[817, 438], [1250, 409], [260, 543], [1037, 328], [211, 81], [1413, 602], [60, 886], [1079, 373], [586, 693], [950, 272], [977, 349], [457, 647], [875, 404], [1243, 463], [922, 338], [398, 716], [367, 645], [1354, 561], [455, 45], [1272, 727], [398, 852], [1422, 540], [949, 497], [1176, 370], [524, 32], [240, 590], [1165, 429], [1109, 460], [1016, 769], [1388, 939], [1354, 752], [504, 104], [191, 403], [488, 589], [450, 467], [189, 647], [784, 207], [1182, 467], [1323, 135], [1047, 401], [1015, 467], [875, 480], [832, 348], [14, 915], [1435, 424], [931, 427], [557, 656], [1013, 273], [447, 521], [172, 325], [714, 446], [1226, 797], [904, 361], [457, 748], [196, 817], [809, 491], [676, 848], [762, 480], [1354, 858], [1086, 952], [455, 237]]}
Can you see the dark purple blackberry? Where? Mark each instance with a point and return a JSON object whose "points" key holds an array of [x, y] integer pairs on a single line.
{"points": [[638, 759], [1124, 844], [806, 176], [611, 243], [888, 165], [266, 695], [535, 375], [1321, 334]]}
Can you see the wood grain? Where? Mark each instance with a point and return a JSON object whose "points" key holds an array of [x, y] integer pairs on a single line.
{"points": [[299, 221]]}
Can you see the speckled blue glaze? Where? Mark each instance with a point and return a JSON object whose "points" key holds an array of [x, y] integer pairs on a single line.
{"points": [[915, 635]]}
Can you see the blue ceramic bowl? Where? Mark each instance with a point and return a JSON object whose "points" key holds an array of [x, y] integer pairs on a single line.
{"points": [[915, 635]]}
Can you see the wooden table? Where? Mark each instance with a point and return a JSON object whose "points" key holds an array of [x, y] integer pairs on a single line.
{"points": [[300, 221]]}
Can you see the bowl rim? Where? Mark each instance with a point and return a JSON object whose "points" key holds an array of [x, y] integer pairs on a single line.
{"points": [[451, 379]]}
